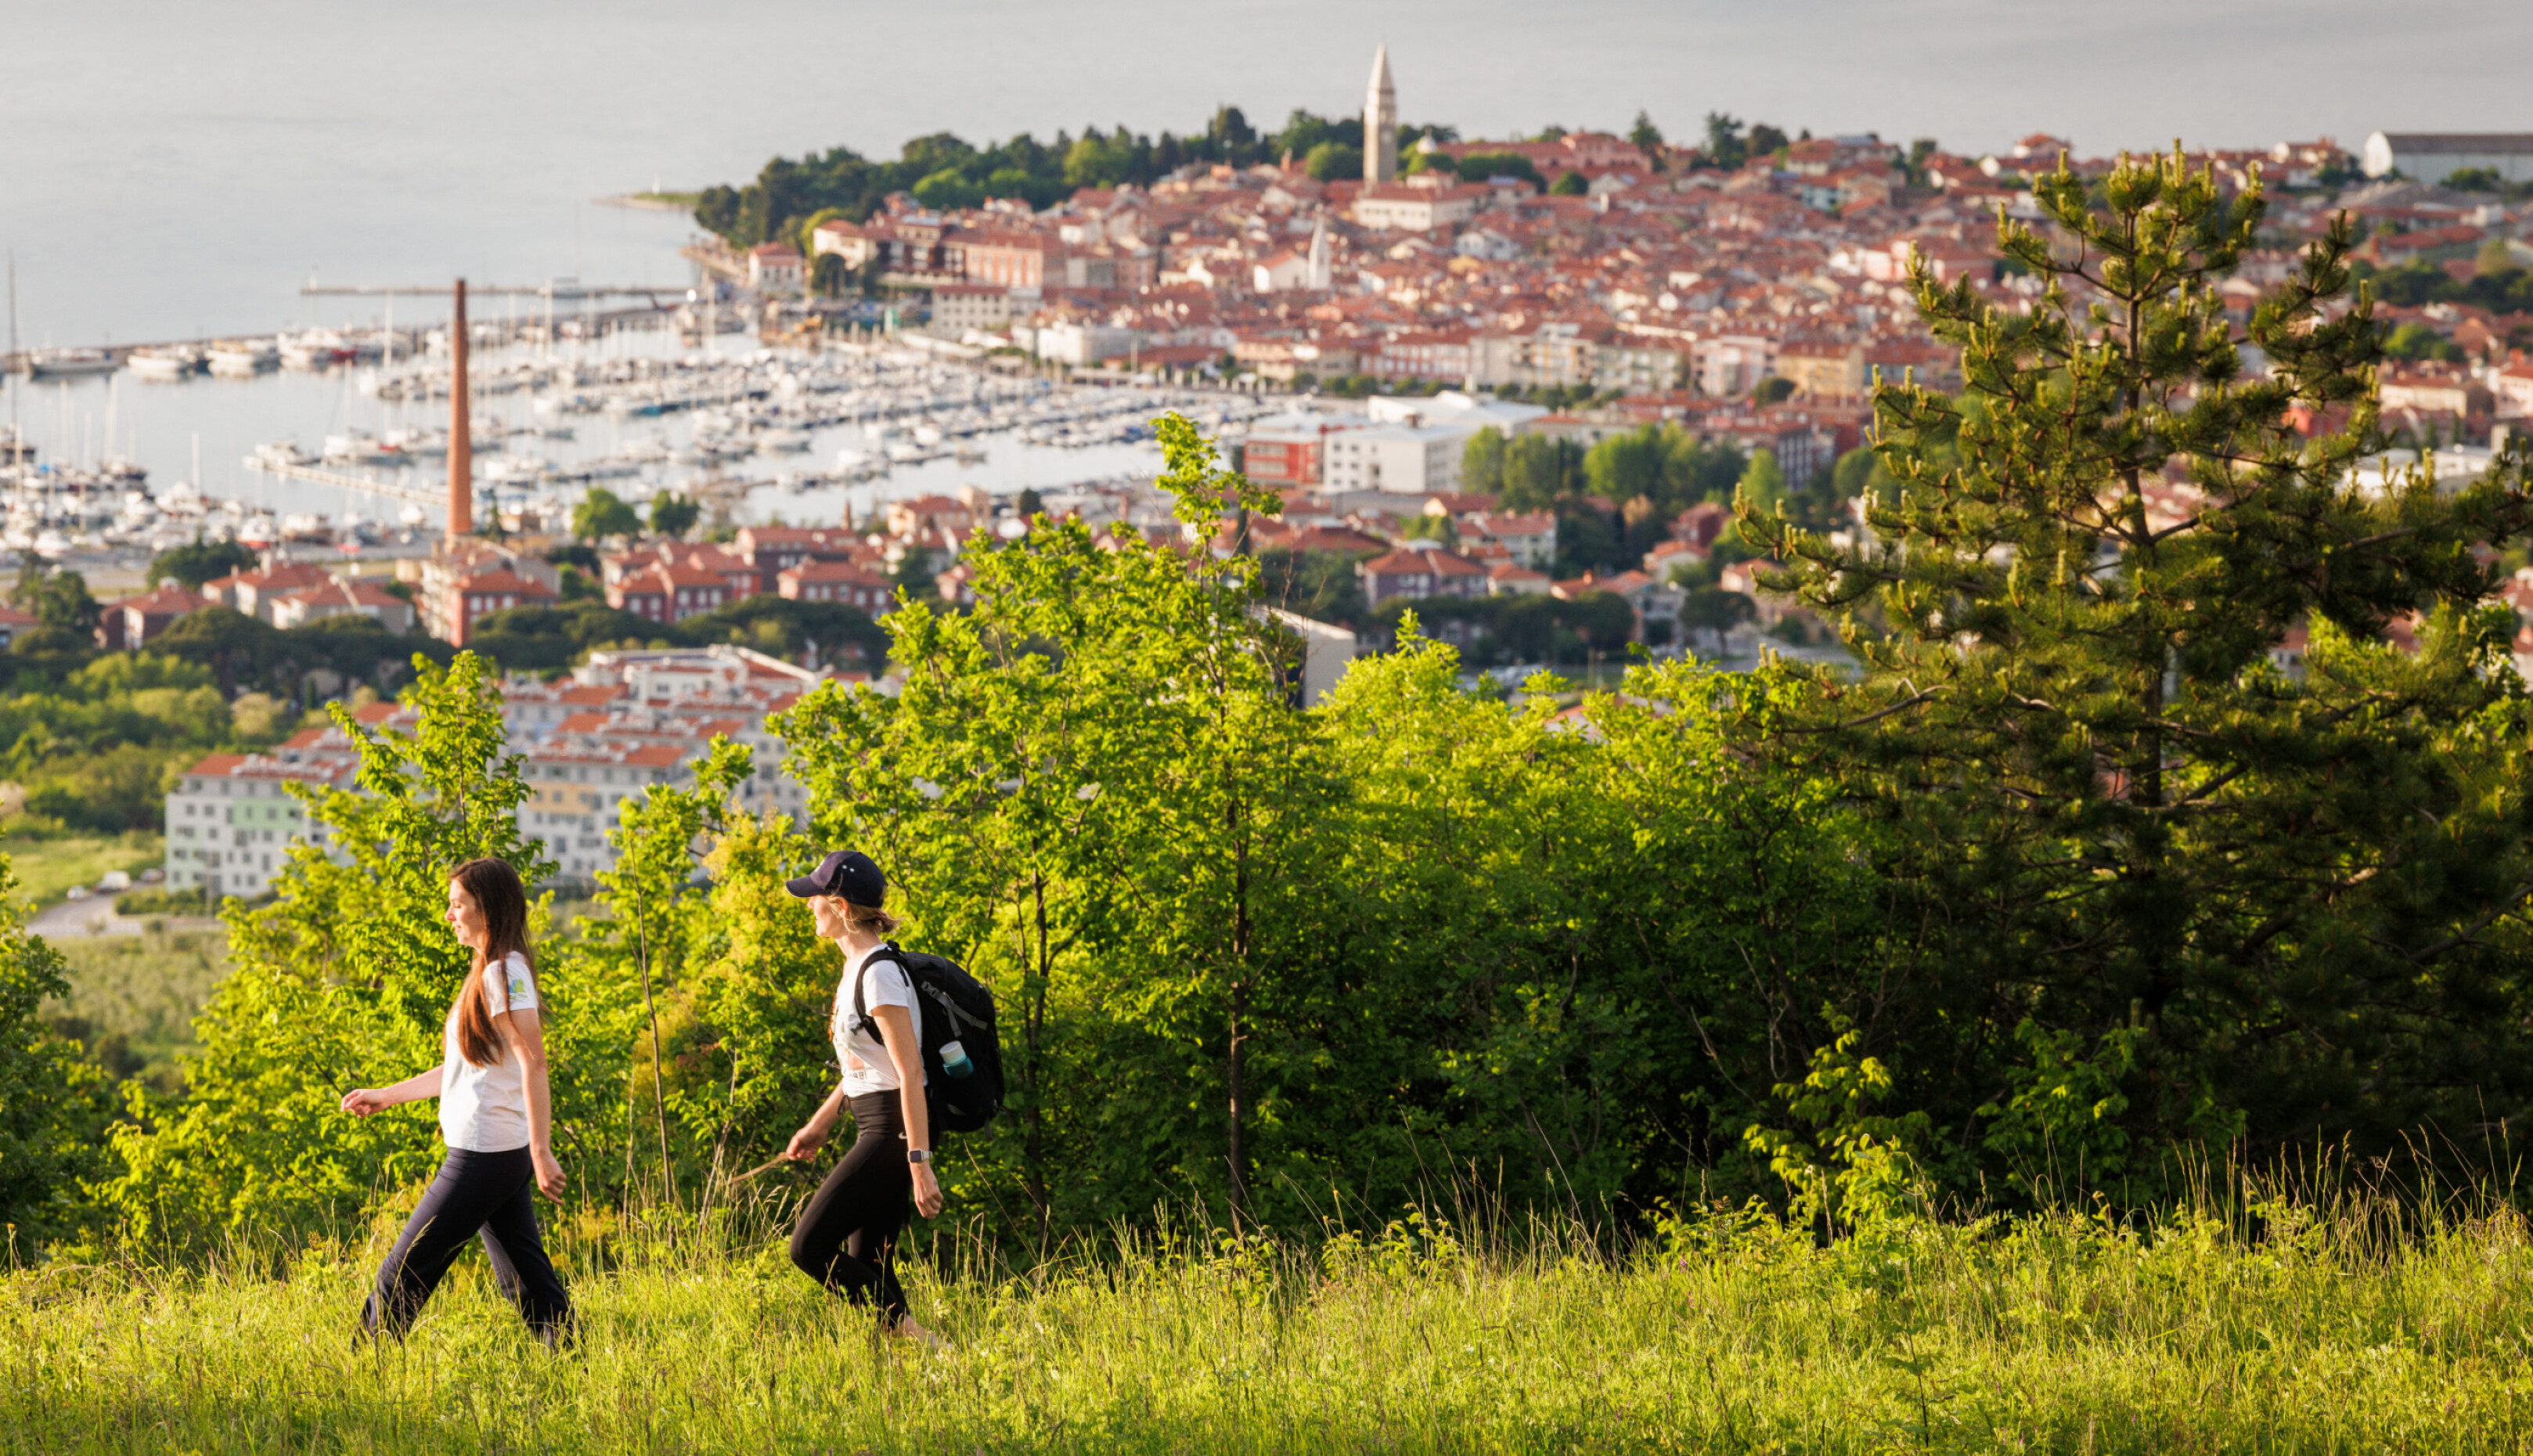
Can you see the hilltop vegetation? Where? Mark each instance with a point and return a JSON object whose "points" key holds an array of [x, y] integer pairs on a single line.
{"points": [[2074, 877], [96, 749], [789, 197]]}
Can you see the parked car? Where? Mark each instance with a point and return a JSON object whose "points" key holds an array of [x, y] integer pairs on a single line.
{"points": [[115, 882]]}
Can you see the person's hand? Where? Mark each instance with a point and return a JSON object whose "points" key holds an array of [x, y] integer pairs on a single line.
{"points": [[805, 1144], [363, 1101], [927, 1190], [549, 1179]]}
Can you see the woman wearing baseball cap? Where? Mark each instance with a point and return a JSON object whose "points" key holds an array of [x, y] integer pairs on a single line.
{"points": [[846, 1238]]}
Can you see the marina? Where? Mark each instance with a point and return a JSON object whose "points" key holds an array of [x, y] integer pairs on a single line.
{"points": [[337, 439]]}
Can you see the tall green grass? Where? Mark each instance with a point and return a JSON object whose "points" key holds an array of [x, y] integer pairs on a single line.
{"points": [[2278, 1320]]}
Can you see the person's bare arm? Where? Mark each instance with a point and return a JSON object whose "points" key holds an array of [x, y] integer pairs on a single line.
{"points": [[897, 1033], [528, 1040], [363, 1101], [805, 1144]]}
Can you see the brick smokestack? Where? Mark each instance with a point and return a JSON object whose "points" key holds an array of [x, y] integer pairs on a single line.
{"points": [[462, 430]]}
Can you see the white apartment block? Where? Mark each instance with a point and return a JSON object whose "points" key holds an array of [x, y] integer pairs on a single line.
{"points": [[231, 819], [625, 722], [577, 794], [1399, 459]]}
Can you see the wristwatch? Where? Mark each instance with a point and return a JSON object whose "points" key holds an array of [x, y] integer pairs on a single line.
{"points": [[918, 1155]]}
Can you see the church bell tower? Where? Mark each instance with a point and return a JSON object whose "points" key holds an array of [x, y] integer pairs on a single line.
{"points": [[1381, 123]]}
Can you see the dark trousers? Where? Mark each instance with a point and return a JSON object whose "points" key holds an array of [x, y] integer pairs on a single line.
{"points": [[846, 1238], [486, 1193]]}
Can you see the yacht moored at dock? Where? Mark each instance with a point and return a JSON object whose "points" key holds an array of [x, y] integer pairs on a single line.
{"points": [[58, 364]]}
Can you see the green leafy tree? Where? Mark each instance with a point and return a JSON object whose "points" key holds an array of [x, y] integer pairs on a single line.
{"points": [[603, 514], [1589, 538], [1625, 467], [1724, 146], [1480, 166], [1646, 136], [673, 514], [1539, 471], [239, 651], [58, 599], [198, 562], [2100, 802], [657, 935], [1091, 788], [1334, 161], [947, 190], [1482, 462], [1638, 911], [1325, 586], [343, 981], [53, 1101], [1570, 185], [2416, 340]]}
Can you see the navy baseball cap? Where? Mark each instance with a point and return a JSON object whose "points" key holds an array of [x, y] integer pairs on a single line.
{"points": [[847, 872]]}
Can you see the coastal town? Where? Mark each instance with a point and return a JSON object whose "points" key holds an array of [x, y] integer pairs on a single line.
{"points": [[1636, 281], [1390, 337], [1517, 728]]}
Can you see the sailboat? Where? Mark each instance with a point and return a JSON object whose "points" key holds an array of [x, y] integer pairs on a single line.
{"points": [[57, 364]]}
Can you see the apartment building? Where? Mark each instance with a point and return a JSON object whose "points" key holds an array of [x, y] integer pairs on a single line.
{"points": [[231, 818]]}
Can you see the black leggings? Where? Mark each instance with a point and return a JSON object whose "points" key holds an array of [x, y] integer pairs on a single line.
{"points": [[491, 1192], [846, 1238]]}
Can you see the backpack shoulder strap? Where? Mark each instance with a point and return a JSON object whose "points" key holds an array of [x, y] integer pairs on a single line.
{"points": [[861, 1017]]}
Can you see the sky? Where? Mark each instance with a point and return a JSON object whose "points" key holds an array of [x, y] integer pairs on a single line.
{"points": [[160, 161]]}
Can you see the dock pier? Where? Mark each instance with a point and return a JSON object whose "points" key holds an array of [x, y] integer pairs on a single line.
{"points": [[315, 476], [409, 340]]}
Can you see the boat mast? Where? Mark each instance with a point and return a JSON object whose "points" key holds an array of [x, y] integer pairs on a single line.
{"points": [[17, 440]]}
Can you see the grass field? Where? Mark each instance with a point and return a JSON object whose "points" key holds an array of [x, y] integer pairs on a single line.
{"points": [[49, 867], [143, 988], [2335, 1332]]}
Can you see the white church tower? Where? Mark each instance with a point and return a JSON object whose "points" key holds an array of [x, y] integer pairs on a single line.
{"points": [[1323, 277], [1381, 123]]}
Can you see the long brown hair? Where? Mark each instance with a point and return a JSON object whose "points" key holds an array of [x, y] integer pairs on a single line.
{"points": [[503, 902]]}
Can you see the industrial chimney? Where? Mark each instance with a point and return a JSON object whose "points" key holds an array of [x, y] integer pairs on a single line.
{"points": [[462, 430]]}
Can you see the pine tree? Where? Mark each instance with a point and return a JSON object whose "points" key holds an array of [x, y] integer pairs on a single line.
{"points": [[2107, 797]]}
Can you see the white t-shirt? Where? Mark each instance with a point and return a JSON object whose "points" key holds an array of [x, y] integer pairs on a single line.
{"points": [[484, 1109], [859, 1050]]}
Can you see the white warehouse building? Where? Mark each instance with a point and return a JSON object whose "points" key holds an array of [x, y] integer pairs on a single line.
{"points": [[2433, 156]]}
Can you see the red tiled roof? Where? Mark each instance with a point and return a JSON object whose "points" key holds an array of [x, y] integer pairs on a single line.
{"points": [[171, 598], [505, 581]]}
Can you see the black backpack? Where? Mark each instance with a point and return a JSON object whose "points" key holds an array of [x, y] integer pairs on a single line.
{"points": [[956, 1008]]}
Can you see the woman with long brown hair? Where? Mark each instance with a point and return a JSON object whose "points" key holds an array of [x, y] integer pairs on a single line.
{"points": [[494, 1115]]}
